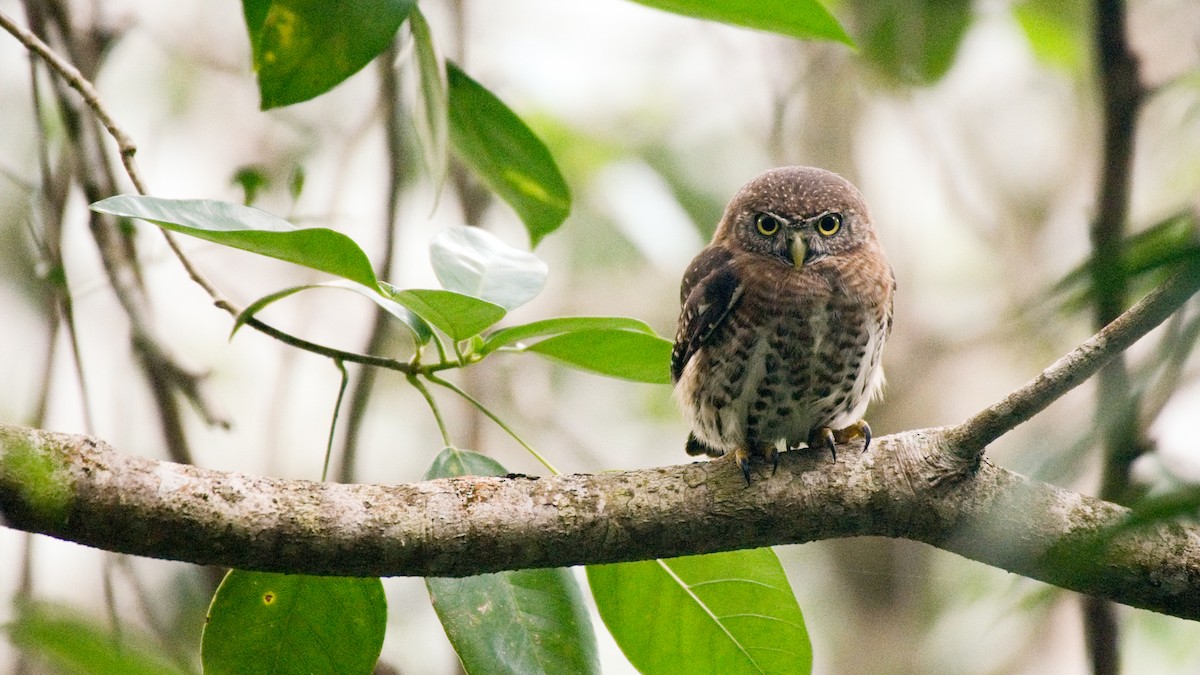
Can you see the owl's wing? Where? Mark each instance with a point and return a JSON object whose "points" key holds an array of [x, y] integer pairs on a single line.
{"points": [[711, 288]]}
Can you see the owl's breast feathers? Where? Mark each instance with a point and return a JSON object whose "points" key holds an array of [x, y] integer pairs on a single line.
{"points": [[718, 278]]}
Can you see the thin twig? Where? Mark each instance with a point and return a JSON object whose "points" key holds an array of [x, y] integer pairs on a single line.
{"points": [[79, 83], [128, 148]]}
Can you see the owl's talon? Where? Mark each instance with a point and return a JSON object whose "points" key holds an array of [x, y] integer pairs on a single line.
{"points": [[823, 436], [742, 458], [771, 454]]}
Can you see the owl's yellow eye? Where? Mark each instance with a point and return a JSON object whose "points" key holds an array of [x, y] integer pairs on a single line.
{"points": [[829, 224], [767, 224]]}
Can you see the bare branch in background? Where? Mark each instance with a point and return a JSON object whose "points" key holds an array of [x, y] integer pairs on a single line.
{"points": [[1117, 402]]}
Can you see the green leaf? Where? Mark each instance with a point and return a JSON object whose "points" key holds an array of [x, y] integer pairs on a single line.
{"points": [[1182, 502], [261, 622], [474, 262], [415, 324], [457, 315], [624, 354], [559, 325], [431, 116], [452, 462], [506, 155], [912, 42], [249, 229], [721, 613], [71, 643], [524, 621], [304, 48], [1146, 258], [1058, 31], [252, 180], [802, 19]]}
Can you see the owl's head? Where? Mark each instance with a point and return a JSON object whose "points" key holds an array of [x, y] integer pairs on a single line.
{"points": [[798, 214]]}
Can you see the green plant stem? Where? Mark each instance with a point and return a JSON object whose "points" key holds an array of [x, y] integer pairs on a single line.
{"points": [[492, 416], [337, 407], [437, 415]]}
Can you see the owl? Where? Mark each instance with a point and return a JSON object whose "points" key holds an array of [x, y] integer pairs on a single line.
{"points": [[784, 319]]}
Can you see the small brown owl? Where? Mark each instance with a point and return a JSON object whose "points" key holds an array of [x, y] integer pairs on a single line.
{"points": [[784, 319]]}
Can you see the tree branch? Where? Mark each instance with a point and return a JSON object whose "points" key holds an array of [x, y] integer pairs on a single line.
{"points": [[80, 489], [928, 485], [969, 439]]}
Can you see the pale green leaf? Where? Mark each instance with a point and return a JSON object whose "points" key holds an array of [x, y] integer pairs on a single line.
{"points": [[430, 116], [474, 262], [249, 229]]}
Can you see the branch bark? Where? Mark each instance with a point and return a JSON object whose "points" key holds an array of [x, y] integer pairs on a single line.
{"points": [[78, 488]]}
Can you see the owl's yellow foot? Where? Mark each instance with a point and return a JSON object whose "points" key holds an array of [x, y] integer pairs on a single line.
{"points": [[830, 438], [859, 429]]}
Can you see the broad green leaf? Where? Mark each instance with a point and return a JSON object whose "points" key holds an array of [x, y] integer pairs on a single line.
{"points": [[261, 622], [249, 229], [70, 643], [624, 354], [304, 48], [430, 116], [457, 315], [804, 19], [415, 324], [912, 42], [559, 325], [524, 621], [506, 155], [474, 262], [721, 613]]}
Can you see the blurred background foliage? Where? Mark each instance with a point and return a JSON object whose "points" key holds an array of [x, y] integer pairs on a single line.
{"points": [[973, 128]]}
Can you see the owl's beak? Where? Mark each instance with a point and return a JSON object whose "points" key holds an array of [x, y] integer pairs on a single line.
{"points": [[798, 249]]}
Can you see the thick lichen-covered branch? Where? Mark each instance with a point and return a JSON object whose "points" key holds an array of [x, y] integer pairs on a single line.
{"points": [[79, 489]]}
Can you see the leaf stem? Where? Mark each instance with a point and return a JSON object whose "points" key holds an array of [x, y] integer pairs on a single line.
{"points": [[437, 414], [492, 416], [337, 407]]}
